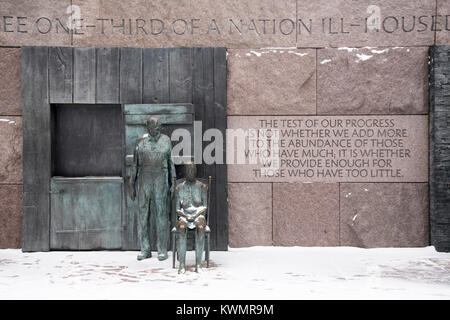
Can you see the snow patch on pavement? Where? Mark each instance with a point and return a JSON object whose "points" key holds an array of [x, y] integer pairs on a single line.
{"points": [[245, 273]]}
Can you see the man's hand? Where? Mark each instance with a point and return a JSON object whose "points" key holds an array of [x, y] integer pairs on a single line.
{"points": [[172, 190], [131, 190]]}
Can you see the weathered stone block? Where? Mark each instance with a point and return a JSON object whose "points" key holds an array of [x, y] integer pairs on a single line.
{"points": [[10, 216], [10, 150], [272, 81], [35, 23], [305, 214], [232, 24], [372, 81], [250, 214], [349, 23], [10, 93], [386, 148], [384, 214], [443, 22]]}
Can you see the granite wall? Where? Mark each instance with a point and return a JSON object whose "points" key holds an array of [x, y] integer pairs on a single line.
{"points": [[285, 58]]}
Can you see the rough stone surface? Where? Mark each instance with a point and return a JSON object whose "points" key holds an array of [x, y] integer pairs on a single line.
{"points": [[272, 81], [34, 23], [348, 23], [372, 81], [384, 214], [265, 23], [10, 93], [443, 17], [10, 216], [439, 191], [187, 23], [250, 214], [10, 150], [305, 214], [413, 131]]}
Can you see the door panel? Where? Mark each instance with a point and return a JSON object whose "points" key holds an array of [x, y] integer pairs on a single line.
{"points": [[161, 109], [86, 213], [172, 116]]}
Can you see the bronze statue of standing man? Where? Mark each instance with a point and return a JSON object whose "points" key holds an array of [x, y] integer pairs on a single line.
{"points": [[153, 181]]}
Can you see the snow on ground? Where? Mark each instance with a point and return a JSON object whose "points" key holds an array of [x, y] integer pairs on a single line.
{"points": [[247, 273]]}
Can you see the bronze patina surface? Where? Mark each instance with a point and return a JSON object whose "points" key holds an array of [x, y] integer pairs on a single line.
{"points": [[152, 181], [191, 204]]}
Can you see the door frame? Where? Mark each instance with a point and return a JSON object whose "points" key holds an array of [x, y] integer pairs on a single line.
{"points": [[183, 118]]}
